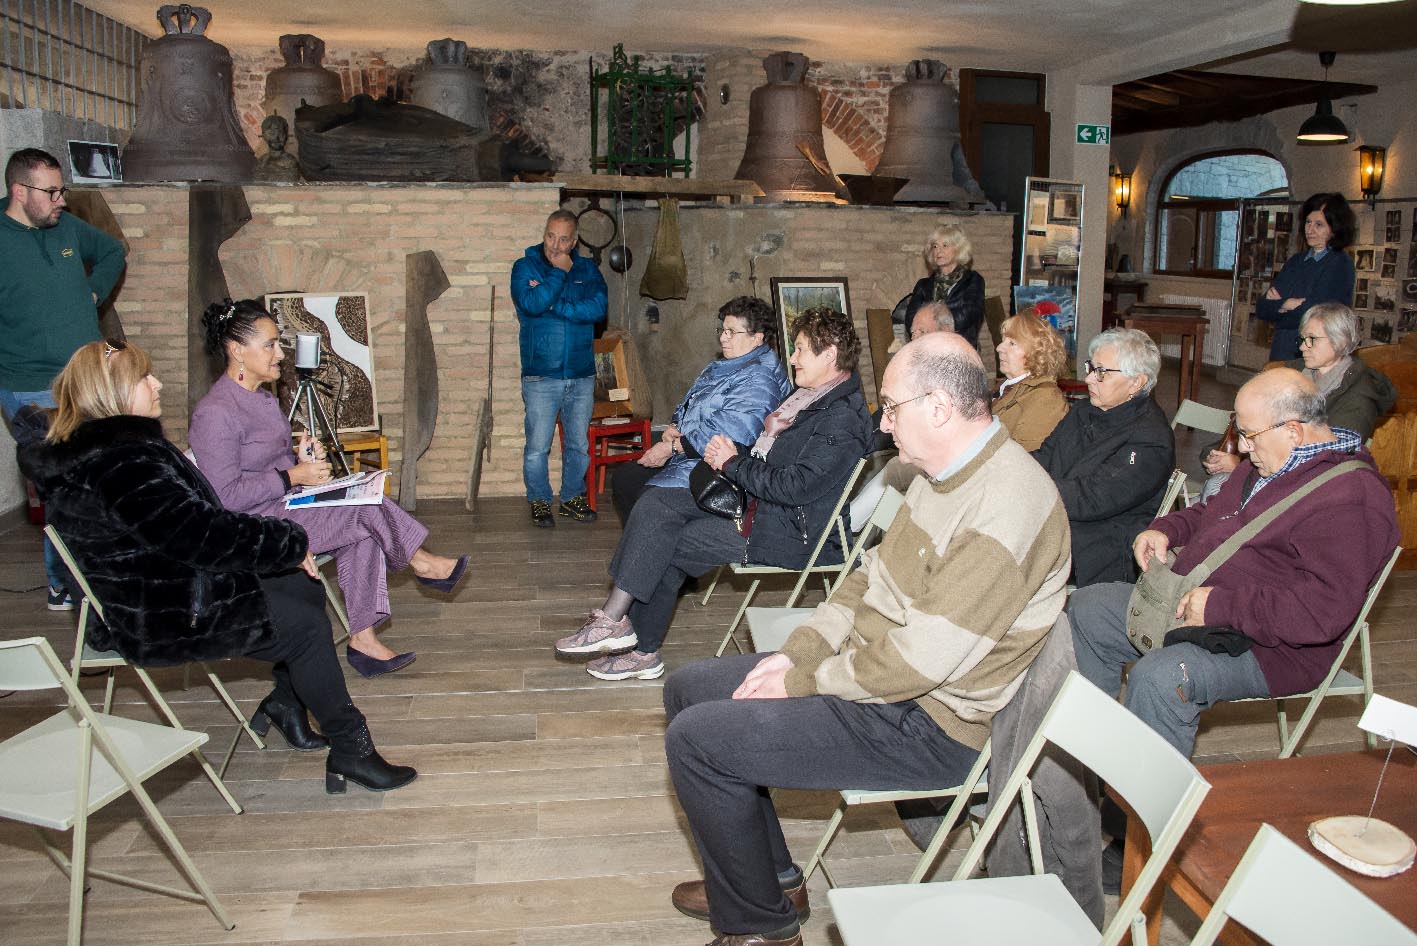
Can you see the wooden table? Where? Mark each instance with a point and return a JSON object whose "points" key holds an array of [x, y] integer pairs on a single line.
{"points": [[1187, 321], [1289, 794]]}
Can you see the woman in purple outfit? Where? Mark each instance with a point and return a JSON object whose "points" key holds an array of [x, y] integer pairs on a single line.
{"points": [[242, 442]]}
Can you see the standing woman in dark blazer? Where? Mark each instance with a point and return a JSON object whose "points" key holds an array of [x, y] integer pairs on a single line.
{"points": [[183, 579], [951, 281], [1321, 272]]}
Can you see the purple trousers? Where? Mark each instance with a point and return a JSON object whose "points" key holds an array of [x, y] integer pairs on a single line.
{"points": [[368, 542]]}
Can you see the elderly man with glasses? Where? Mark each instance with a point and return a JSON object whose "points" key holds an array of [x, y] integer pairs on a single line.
{"points": [[57, 270], [1111, 456], [1270, 618]]}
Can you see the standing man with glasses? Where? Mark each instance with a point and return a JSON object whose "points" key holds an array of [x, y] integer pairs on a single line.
{"points": [[559, 296], [1270, 618], [56, 271]]}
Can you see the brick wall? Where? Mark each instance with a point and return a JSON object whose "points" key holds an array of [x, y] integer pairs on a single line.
{"points": [[877, 249], [355, 238]]}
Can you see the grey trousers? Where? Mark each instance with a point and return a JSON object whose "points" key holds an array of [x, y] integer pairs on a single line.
{"points": [[1170, 687], [724, 754]]}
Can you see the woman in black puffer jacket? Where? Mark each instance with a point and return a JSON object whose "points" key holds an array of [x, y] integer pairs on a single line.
{"points": [[793, 474], [182, 579]]}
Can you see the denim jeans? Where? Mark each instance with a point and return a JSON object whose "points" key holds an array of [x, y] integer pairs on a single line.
{"points": [[572, 399], [10, 402]]}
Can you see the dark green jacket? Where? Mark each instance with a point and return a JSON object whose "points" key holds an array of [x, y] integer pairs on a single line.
{"points": [[1364, 395], [48, 280]]}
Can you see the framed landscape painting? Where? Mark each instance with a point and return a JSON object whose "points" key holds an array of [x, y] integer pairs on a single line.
{"points": [[791, 296]]}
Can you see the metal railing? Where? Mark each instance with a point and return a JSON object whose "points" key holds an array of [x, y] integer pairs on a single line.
{"points": [[61, 56]]}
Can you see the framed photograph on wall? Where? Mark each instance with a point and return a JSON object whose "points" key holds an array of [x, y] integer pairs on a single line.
{"points": [[94, 162], [612, 379], [793, 295], [346, 372]]}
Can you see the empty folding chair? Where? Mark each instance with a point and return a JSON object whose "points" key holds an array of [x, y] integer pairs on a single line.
{"points": [[51, 777]]}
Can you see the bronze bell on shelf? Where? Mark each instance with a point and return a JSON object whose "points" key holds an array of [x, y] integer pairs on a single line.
{"points": [[922, 139], [448, 86], [186, 128], [303, 79], [785, 154]]}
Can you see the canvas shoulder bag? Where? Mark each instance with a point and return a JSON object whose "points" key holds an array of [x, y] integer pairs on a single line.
{"points": [[1151, 611]]}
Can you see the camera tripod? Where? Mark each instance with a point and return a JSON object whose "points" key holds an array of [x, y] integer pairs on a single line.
{"points": [[317, 422]]}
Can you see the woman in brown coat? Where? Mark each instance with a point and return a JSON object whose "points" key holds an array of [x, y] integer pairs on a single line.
{"points": [[1029, 402]]}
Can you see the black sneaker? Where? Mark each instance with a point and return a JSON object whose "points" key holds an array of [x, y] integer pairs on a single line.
{"points": [[541, 514], [578, 509]]}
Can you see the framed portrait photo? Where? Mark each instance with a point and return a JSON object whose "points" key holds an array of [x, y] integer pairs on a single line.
{"points": [[792, 295]]}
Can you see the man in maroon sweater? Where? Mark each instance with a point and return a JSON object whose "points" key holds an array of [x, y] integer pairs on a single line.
{"points": [[1289, 594]]}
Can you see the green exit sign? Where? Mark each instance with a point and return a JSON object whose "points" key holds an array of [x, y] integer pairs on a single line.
{"points": [[1094, 134]]}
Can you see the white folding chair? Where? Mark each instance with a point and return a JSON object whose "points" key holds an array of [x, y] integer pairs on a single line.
{"points": [[50, 776], [86, 658], [1175, 489], [1338, 682], [1162, 787], [834, 522], [1200, 416], [1287, 897]]}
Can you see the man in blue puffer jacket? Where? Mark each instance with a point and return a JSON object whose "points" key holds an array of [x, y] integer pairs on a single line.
{"points": [[559, 296]]}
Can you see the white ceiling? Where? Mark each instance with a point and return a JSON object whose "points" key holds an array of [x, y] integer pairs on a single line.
{"points": [[1040, 36]]}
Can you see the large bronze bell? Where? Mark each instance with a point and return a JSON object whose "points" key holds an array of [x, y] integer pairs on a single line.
{"points": [[448, 86], [922, 139], [186, 128], [785, 154], [303, 79]]}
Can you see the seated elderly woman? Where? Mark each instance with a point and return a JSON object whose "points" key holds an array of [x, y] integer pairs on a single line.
{"points": [[731, 397], [793, 475], [948, 254], [242, 442], [1112, 455], [1355, 395], [183, 579], [1029, 402]]}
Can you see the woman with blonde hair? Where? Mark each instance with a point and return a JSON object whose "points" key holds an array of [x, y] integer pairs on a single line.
{"points": [[952, 281], [182, 579], [1029, 402]]}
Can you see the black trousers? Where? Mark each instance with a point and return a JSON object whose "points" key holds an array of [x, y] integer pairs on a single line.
{"points": [[724, 754], [304, 664], [668, 538], [627, 484]]}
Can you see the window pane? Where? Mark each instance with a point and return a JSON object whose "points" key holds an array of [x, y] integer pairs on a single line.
{"points": [[1006, 90], [1178, 239], [1219, 245]]}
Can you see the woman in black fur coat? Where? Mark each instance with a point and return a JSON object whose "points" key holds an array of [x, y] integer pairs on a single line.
{"points": [[181, 578]]}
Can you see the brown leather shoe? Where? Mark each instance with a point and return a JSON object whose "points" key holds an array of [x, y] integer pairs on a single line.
{"points": [[691, 899], [756, 939]]}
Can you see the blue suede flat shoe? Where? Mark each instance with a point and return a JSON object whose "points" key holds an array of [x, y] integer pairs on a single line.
{"points": [[446, 585], [372, 666]]}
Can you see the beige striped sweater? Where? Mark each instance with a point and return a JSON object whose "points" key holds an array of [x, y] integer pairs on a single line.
{"points": [[956, 601]]}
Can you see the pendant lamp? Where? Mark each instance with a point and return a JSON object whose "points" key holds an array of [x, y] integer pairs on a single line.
{"points": [[1323, 127]]}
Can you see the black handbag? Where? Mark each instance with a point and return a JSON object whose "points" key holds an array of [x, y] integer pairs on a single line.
{"points": [[716, 494]]}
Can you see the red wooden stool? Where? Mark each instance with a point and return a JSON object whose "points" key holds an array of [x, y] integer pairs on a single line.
{"points": [[611, 441]]}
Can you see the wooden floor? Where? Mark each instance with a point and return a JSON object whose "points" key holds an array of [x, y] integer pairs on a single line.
{"points": [[543, 815]]}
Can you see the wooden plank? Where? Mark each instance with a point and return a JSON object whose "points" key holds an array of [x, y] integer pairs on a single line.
{"points": [[658, 186]]}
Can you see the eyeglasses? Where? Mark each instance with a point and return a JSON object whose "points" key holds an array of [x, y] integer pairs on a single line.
{"points": [[730, 332], [1309, 341], [1250, 438], [110, 346], [1097, 370], [889, 407], [55, 193]]}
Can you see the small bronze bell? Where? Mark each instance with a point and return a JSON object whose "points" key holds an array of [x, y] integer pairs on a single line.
{"points": [[302, 80], [922, 139], [186, 128], [785, 154], [448, 86]]}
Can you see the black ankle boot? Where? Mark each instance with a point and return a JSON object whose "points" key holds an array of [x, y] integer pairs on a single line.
{"points": [[355, 758], [293, 723]]}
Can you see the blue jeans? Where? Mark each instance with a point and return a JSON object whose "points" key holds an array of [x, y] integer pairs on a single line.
{"points": [[10, 402], [572, 399]]}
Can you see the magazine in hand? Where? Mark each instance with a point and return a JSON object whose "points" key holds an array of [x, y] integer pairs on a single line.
{"points": [[357, 489]]}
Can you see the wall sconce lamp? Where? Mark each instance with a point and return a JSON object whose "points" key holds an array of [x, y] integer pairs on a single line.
{"points": [[1121, 190], [1371, 162]]}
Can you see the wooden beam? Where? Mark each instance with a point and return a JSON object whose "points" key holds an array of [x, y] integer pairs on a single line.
{"points": [[658, 186]]}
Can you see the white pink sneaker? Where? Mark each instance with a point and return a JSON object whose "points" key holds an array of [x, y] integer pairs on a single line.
{"points": [[625, 666], [599, 635]]}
